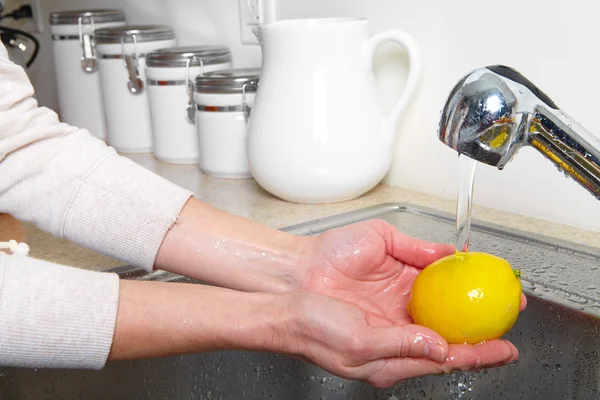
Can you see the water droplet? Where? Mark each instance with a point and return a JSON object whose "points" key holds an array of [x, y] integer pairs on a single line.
{"points": [[558, 367], [422, 393], [546, 367]]}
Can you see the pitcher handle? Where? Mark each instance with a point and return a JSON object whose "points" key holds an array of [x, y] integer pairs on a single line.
{"points": [[414, 58]]}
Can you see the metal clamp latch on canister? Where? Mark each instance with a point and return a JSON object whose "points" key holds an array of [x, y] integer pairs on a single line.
{"points": [[88, 58], [135, 83]]}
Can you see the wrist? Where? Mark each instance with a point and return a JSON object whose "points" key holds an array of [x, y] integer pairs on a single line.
{"points": [[284, 328], [302, 249], [275, 328], [261, 324]]}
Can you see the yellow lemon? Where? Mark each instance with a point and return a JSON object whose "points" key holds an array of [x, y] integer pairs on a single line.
{"points": [[467, 297]]}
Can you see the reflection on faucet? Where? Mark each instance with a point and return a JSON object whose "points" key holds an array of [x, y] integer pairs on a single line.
{"points": [[494, 111]]}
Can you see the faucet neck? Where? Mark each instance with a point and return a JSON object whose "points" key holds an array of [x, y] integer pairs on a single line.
{"points": [[575, 152]]}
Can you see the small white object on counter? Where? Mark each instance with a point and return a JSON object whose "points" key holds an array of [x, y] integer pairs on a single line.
{"points": [[75, 63], [224, 102], [122, 69], [19, 249], [170, 77]]}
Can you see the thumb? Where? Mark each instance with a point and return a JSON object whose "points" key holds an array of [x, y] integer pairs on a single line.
{"points": [[415, 252], [412, 341]]}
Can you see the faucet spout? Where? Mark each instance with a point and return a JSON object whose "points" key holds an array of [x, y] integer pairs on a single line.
{"points": [[494, 111]]}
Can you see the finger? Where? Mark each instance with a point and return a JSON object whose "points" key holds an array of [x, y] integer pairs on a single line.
{"points": [[416, 252], [406, 341], [487, 354], [461, 357], [523, 302]]}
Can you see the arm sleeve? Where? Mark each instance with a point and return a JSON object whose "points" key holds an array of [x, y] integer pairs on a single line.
{"points": [[53, 316], [72, 185]]}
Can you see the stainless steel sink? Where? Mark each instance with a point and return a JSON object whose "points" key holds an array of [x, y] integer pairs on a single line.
{"points": [[558, 336]]}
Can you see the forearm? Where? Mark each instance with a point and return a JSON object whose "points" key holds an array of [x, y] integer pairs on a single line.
{"points": [[52, 316], [163, 319], [227, 250]]}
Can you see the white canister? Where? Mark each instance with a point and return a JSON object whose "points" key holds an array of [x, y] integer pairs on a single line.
{"points": [[224, 102], [122, 54], [75, 64], [170, 73]]}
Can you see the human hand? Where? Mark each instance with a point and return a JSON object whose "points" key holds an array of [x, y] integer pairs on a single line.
{"points": [[353, 343], [373, 266]]}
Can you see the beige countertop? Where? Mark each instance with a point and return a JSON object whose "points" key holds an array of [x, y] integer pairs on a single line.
{"points": [[246, 198]]}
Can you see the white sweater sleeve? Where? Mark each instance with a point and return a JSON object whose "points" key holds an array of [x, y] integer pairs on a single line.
{"points": [[74, 186], [52, 316]]}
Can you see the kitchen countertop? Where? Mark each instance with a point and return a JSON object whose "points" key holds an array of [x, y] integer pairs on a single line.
{"points": [[246, 198]]}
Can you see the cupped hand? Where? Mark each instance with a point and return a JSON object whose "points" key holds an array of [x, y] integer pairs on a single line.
{"points": [[354, 343], [372, 266]]}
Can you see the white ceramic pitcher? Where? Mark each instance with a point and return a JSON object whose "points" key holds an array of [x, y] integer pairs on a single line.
{"points": [[317, 133]]}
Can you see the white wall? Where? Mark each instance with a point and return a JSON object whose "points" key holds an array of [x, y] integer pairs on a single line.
{"points": [[197, 22], [552, 43]]}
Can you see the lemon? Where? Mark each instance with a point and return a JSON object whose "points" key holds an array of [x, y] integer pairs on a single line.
{"points": [[467, 297]]}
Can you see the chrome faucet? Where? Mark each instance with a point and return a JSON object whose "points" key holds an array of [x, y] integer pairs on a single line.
{"points": [[494, 111]]}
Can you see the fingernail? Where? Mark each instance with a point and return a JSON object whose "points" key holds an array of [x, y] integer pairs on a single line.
{"points": [[436, 352]]}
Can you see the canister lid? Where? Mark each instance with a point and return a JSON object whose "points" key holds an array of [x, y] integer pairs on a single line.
{"points": [[98, 16], [228, 81], [178, 56], [142, 33]]}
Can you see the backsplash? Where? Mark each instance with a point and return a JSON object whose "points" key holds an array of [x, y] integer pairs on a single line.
{"points": [[549, 44]]}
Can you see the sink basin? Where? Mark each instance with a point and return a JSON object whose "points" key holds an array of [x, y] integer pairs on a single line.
{"points": [[558, 336]]}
